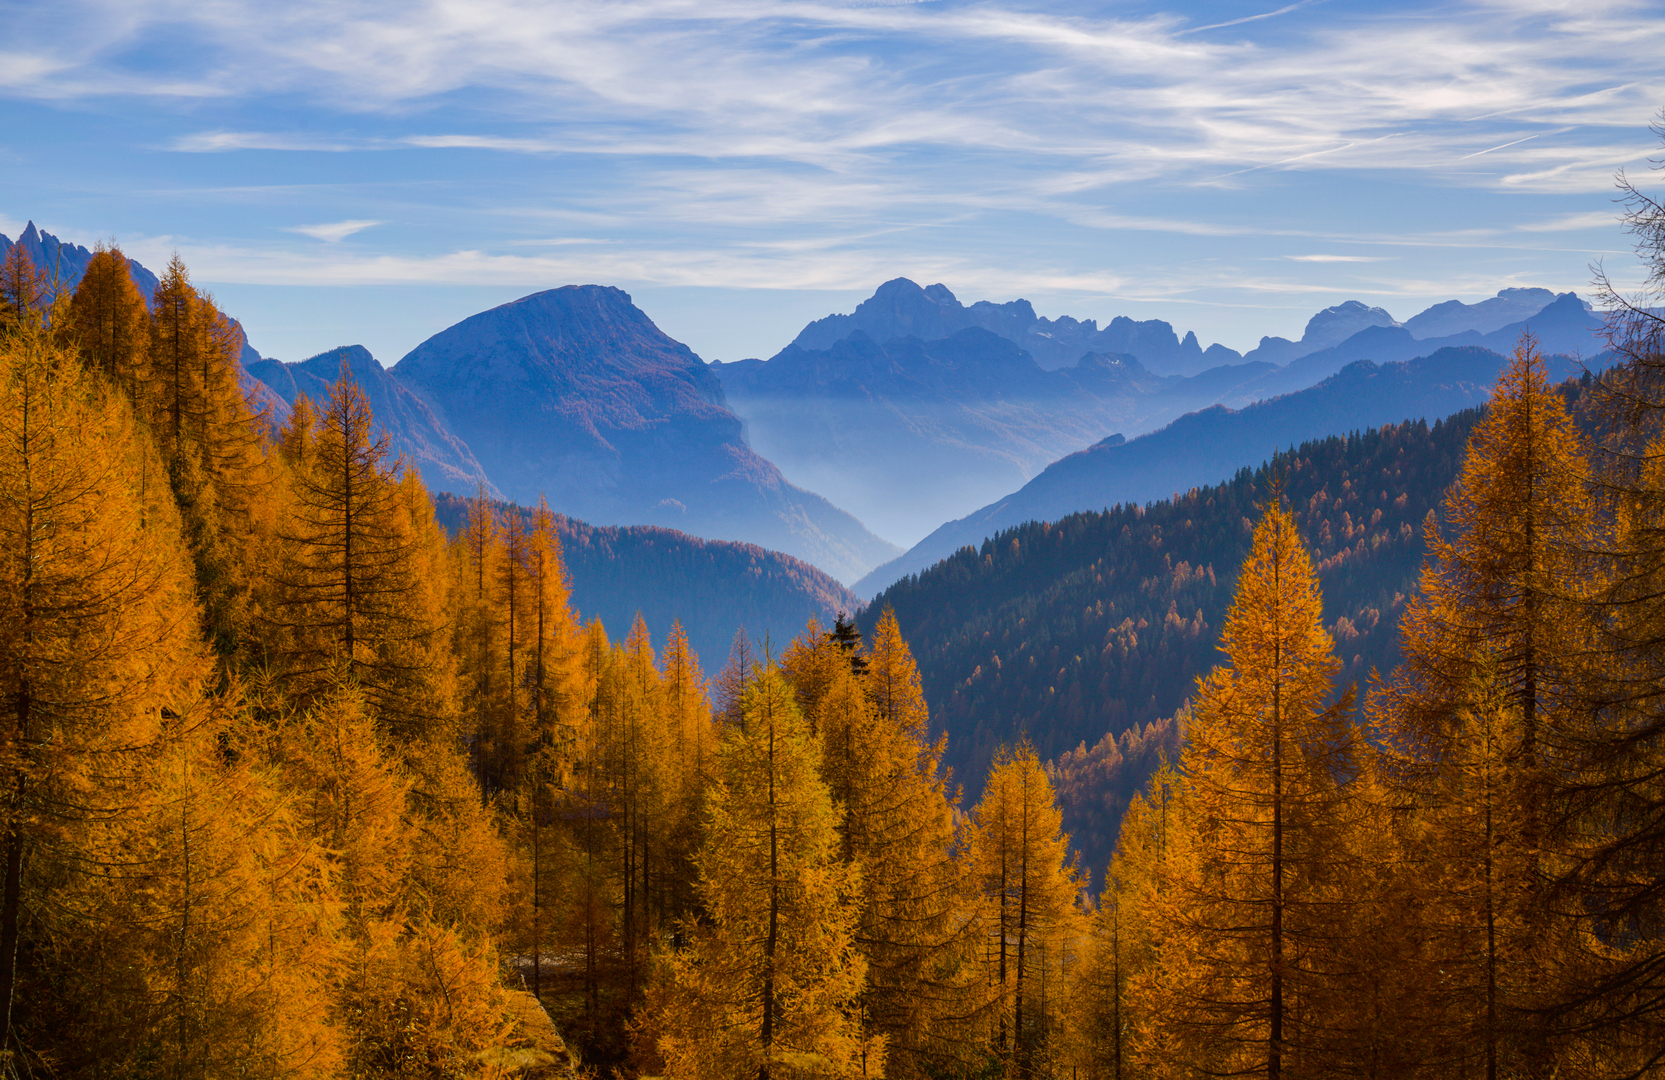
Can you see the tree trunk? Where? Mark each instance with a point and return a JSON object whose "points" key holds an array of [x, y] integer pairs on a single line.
{"points": [[1274, 1047], [767, 1035]]}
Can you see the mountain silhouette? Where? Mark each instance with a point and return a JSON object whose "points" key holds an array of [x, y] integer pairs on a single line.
{"points": [[1564, 326], [575, 395], [910, 433], [900, 308]]}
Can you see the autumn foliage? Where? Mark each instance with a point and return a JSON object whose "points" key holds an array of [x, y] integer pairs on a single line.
{"points": [[296, 782]]}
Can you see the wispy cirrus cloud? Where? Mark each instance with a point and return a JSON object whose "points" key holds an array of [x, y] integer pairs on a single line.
{"points": [[832, 84], [1059, 146], [851, 270], [216, 142], [333, 232], [1590, 219]]}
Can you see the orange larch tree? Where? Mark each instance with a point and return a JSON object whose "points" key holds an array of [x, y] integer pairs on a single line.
{"points": [[1247, 969]]}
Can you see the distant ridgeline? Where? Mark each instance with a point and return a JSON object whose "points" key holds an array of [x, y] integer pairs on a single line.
{"points": [[1087, 634], [714, 587], [63, 264]]}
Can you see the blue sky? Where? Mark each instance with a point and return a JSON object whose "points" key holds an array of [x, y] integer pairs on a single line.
{"points": [[339, 171]]}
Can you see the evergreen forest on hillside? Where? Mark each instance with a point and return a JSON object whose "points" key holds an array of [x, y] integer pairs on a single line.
{"points": [[712, 587], [1086, 635], [300, 782]]}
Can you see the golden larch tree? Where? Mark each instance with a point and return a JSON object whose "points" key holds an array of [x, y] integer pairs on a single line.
{"points": [[1498, 650], [765, 987], [1247, 965], [98, 629], [1120, 947], [896, 820], [342, 607], [1029, 886], [109, 319]]}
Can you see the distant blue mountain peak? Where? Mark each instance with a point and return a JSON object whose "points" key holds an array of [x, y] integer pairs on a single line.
{"points": [[66, 263], [901, 308]]}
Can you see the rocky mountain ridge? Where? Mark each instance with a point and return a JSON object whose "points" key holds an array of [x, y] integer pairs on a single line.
{"points": [[574, 395], [909, 431], [445, 461], [65, 263], [900, 308]]}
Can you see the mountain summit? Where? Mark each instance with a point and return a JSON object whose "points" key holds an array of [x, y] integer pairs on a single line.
{"points": [[65, 263], [576, 395], [900, 308]]}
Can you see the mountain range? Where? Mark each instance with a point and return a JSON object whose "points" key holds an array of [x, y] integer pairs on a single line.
{"points": [[575, 395], [1211, 444], [900, 308], [912, 411], [1563, 325], [910, 431]]}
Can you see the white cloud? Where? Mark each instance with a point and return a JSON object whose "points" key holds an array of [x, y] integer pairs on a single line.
{"points": [[335, 231], [484, 142], [784, 266], [813, 144], [22, 71], [832, 85], [214, 142], [1594, 219]]}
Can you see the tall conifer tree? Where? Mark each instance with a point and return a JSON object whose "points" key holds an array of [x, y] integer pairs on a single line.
{"points": [[764, 990], [897, 822], [109, 319], [1498, 653], [1029, 886], [1248, 961], [98, 634], [1609, 797], [342, 608]]}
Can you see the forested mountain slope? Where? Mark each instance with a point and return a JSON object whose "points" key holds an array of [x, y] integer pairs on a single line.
{"points": [[1207, 446], [713, 587], [1095, 626]]}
